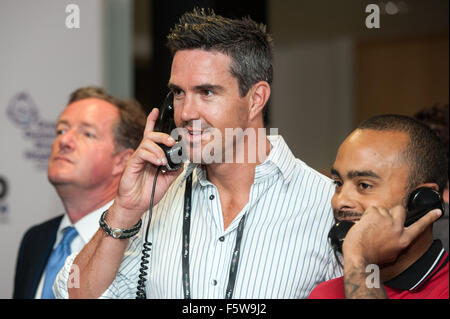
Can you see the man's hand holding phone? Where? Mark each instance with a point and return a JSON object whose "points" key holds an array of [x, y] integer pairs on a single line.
{"points": [[377, 239], [136, 184], [380, 235]]}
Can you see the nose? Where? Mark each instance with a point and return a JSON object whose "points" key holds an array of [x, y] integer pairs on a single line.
{"points": [[344, 199], [189, 111], [66, 141]]}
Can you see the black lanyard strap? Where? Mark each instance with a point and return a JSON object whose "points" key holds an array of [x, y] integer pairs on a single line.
{"points": [[186, 236], [186, 241], [235, 260]]}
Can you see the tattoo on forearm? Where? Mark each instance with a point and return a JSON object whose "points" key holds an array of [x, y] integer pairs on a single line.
{"points": [[355, 285]]}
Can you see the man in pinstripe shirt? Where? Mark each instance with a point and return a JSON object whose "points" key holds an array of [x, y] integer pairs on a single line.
{"points": [[250, 229]]}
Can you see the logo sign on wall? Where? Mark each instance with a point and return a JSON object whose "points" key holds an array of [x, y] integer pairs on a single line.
{"points": [[24, 114], [3, 204]]}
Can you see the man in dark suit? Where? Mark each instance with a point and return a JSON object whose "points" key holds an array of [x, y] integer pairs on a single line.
{"points": [[96, 134]]}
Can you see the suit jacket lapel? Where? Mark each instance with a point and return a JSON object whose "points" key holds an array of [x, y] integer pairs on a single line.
{"points": [[45, 240]]}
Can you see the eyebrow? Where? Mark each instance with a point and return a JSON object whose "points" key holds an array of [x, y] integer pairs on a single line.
{"points": [[85, 124], [209, 87], [201, 87], [335, 172], [353, 174], [173, 87]]}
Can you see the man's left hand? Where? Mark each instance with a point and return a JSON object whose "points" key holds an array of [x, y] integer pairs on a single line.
{"points": [[380, 235]]}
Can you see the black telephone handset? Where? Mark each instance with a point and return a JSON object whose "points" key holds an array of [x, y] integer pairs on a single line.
{"points": [[166, 124], [420, 202]]}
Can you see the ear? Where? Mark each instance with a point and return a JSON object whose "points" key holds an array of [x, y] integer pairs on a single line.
{"points": [[259, 95], [120, 161]]}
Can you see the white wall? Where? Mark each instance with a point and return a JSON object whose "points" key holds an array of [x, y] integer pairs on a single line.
{"points": [[311, 104], [46, 61]]}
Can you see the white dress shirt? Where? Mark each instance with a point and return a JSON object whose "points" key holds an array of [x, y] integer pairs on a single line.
{"points": [[86, 228], [284, 250]]}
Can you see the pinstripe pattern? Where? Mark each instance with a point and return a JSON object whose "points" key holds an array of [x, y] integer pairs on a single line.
{"points": [[284, 250]]}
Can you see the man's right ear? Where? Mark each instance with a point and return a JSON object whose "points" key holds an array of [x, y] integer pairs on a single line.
{"points": [[259, 95]]}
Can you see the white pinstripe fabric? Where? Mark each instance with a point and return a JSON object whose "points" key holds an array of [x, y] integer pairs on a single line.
{"points": [[284, 250]]}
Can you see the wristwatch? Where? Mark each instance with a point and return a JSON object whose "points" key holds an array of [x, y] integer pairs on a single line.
{"points": [[118, 233]]}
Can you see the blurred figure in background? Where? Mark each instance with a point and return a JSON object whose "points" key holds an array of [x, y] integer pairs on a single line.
{"points": [[437, 117], [95, 135]]}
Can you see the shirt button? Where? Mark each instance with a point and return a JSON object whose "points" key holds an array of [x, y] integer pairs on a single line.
{"points": [[213, 282], [211, 197], [221, 238]]}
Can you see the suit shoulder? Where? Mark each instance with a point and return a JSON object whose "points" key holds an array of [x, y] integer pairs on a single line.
{"points": [[46, 225]]}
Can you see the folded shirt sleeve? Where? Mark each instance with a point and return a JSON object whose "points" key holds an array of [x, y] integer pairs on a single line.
{"points": [[124, 285]]}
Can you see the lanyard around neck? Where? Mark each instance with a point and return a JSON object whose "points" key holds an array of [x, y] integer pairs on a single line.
{"points": [[186, 242]]}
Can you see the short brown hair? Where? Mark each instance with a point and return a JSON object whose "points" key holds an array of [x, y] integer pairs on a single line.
{"points": [[129, 130], [246, 42]]}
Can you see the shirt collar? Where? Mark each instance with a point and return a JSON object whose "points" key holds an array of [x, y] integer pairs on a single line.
{"points": [[86, 226], [422, 270], [280, 158], [188, 169]]}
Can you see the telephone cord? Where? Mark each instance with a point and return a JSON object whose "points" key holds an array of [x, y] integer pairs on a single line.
{"points": [[140, 293]]}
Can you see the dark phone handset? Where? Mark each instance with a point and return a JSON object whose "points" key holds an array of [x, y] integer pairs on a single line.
{"points": [[166, 124], [420, 202]]}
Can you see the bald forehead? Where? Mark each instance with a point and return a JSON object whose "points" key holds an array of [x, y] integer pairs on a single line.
{"points": [[393, 140], [384, 145]]}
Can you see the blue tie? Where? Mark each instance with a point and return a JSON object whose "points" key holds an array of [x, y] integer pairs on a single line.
{"points": [[56, 261]]}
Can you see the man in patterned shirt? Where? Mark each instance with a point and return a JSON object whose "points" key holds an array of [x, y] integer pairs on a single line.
{"points": [[249, 228]]}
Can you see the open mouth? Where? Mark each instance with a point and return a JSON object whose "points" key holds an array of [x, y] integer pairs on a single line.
{"points": [[197, 135], [194, 133]]}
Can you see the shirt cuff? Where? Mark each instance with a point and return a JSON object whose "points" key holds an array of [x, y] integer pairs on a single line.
{"points": [[121, 288], [69, 277]]}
